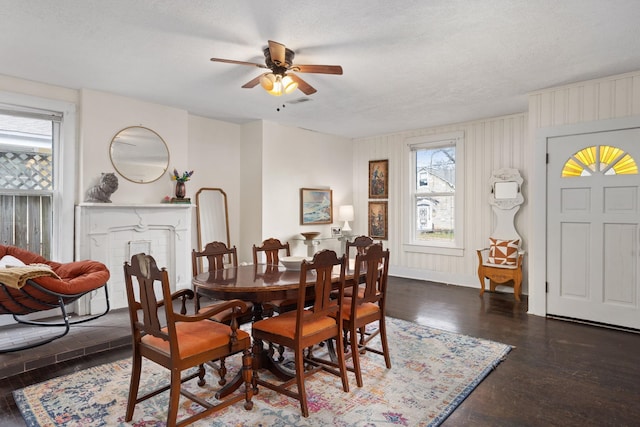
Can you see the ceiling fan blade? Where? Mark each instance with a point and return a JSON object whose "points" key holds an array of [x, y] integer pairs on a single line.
{"points": [[305, 87], [318, 69], [277, 52], [252, 83], [231, 61]]}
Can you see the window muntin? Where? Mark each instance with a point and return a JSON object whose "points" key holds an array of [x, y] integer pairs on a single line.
{"points": [[436, 196], [599, 159]]}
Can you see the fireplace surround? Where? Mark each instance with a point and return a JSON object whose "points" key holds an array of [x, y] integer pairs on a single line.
{"points": [[111, 233]]}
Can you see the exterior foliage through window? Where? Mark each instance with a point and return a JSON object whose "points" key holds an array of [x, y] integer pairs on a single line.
{"points": [[435, 191]]}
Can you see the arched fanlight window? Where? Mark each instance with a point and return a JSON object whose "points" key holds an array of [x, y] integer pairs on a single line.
{"points": [[600, 159]]}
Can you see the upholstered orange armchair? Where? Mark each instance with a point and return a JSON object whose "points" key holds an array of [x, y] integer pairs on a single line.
{"points": [[33, 283]]}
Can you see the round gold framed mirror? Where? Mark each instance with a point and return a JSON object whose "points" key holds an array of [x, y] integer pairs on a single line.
{"points": [[139, 154]]}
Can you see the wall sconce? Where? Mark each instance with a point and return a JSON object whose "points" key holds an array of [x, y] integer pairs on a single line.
{"points": [[277, 85], [345, 213]]}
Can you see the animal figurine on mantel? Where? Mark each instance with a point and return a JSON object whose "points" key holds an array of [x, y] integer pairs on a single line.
{"points": [[101, 193]]}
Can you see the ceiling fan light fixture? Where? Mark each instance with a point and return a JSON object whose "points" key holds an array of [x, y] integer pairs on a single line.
{"points": [[277, 85], [267, 81], [288, 84]]}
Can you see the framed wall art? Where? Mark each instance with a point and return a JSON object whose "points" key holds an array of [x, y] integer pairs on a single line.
{"points": [[379, 179], [378, 220], [316, 206]]}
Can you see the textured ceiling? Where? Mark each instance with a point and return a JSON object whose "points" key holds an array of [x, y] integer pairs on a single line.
{"points": [[407, 64]]}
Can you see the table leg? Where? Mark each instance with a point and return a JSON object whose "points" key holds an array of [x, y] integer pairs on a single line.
{"points": [[257, 311], [259, 355]]}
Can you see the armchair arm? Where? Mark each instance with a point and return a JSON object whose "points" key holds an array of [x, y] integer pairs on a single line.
{"points": [[236, 305], [184, 294], [481, 256]]}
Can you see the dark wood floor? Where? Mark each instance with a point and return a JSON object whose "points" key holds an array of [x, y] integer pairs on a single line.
{"points": [[558, 374]]}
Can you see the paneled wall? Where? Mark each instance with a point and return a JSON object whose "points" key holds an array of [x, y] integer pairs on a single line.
{"points": [[601, 99], [489, 144], [594, 103]]}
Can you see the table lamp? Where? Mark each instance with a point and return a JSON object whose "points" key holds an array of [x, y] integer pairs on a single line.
{"points": [[345, 213]]}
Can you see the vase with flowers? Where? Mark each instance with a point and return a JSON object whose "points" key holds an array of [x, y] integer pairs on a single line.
{"points": [[181, 189]]}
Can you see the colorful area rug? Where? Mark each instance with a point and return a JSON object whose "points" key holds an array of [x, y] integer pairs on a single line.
{"points": [[432, 372]]}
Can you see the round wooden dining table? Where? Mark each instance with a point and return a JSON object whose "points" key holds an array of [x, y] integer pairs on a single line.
{"points": [[258, 283]]}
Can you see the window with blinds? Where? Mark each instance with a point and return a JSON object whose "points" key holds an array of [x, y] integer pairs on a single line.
{"points": [[27, 141]]}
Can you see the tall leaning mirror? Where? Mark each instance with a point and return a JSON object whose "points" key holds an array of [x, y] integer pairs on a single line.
{"points": [[212, 216]]}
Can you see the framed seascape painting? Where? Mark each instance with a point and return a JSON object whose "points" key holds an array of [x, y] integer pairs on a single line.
{"points": [[316, 206], [378, 220], [379, 179]]}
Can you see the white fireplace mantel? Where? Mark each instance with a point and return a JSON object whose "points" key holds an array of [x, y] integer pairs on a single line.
{"points": [[112, 233]]}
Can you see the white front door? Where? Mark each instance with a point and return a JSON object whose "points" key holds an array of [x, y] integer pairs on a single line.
{"points": [[593, 218]]}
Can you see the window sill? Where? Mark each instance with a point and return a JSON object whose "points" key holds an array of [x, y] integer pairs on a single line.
{"points": [[439, 250]]}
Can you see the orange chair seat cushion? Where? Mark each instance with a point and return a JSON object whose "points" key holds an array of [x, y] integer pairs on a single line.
{"points": [[364, 309], [198, 337], [285, 324]]}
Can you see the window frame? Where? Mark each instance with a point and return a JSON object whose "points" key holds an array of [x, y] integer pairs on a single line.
{"points": [[64, 170], [410, 243]]}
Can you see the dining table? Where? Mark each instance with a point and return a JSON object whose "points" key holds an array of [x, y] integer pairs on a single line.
{"points": [[259, 283]]}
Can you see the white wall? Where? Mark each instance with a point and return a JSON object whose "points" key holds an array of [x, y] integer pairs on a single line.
{"points": [[251, 195], [214, 156], [28, 87], [103, 115], [296, 158], [489, 144], [277, 161], [596, 102]]}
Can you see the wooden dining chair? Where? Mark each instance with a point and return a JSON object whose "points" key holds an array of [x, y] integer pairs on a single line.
{"points": [[306, 327], [367, 307], [179, 341], [272, 249], [360, 245], [217, 256]]}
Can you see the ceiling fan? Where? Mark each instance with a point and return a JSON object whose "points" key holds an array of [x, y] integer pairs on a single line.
{"points": [[282, 80]]}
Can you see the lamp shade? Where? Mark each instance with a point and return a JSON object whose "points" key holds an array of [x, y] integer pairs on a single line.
{"points": [[345, 213]]}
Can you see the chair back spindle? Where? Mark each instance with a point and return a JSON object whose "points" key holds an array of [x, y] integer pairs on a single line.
{"points": [[323, 264], [271, 248], [218, 256], [360, 243], [374, 263]]}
